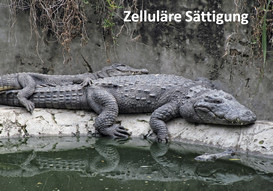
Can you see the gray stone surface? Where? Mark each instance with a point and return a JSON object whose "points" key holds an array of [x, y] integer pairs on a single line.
{"points": [[219, 52], [16, 122]]}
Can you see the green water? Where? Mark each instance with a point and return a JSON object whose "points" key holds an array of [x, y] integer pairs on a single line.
{"points": [[103, 164]]}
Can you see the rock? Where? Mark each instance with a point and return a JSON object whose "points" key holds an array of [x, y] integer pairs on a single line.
{"points": [[17, 122]]}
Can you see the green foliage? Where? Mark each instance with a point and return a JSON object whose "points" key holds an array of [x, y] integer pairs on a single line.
{"points": [[108, 23], [112, 7], [264, 32], [262, 27], [86, 2]]}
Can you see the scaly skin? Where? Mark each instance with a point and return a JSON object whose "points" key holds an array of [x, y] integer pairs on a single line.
{"points": [[165, 96], [27, 82]]}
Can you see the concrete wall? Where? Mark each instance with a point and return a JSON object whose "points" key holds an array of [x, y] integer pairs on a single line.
{"points": [[219, 52]]}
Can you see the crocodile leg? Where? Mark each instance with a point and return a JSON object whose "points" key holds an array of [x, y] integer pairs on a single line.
{"points": [[158, 152], [160, 116], [28, 84], [106, 106], [106, 152]]}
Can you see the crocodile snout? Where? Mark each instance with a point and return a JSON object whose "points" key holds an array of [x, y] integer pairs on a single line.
{"points": [[144, 71], [248, 117]]}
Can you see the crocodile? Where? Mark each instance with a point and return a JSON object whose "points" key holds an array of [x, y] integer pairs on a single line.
{"points": [[27, 82], [213, 157], [165, 96]]}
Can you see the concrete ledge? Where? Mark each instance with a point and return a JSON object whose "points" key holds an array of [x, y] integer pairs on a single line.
{"points": [[16, 122]]}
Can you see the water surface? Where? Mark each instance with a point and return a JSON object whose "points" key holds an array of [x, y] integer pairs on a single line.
{"points": [[105, 164]]}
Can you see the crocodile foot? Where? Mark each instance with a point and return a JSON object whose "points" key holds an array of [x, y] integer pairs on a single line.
{"points": [[29, 106], [151, 136], [86, 82], [115, 131], [162, 139]]}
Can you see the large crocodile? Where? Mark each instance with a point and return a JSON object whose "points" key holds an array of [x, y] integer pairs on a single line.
{"points": [[166, 96], [27, 82]]}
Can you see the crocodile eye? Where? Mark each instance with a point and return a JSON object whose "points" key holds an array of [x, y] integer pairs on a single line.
{"points": [[122, 67], [213, 100]]}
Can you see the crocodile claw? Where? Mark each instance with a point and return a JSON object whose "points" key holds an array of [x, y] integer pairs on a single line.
{"points": [[153, 137], [86, 82], [164, 140], [116, 131], [29, 106]]}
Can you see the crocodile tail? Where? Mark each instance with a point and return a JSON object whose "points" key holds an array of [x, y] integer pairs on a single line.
{"points": [[9, 82]]}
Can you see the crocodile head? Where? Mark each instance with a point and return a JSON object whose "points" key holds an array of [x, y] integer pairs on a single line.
{"points": [[216, 107], [123, 70]]}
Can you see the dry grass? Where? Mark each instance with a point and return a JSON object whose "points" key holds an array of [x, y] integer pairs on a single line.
{"points": [[62, 19]]}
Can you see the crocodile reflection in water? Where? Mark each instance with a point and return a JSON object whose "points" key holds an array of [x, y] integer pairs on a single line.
{"points": [[111, 159]]}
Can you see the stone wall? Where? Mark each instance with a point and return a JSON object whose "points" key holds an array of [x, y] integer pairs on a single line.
{"points": [[221, 53]]}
